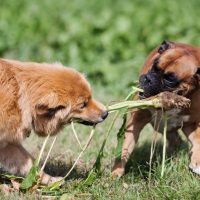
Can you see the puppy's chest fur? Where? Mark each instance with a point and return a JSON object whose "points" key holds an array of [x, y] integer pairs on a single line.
{"points": [[175, 119]]}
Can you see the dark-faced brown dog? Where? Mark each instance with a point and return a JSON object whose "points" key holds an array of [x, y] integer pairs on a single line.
{"points": [[43, 98], [173, 67]]}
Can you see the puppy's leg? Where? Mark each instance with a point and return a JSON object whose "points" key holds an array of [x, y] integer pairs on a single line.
{"points": [[15, 159], [135, 124]]}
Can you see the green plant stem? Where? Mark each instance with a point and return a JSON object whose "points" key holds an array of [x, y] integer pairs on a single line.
{"points": [[135, 104], [97, 164]]}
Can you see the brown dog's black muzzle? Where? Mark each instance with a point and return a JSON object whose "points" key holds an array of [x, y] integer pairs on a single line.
{"points": [[151, 84]]}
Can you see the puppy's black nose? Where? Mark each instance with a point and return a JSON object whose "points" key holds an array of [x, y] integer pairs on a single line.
{"points": [[104, 115]]}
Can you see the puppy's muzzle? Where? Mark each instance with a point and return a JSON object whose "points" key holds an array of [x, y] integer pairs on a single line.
{"points": [[103, 116]]}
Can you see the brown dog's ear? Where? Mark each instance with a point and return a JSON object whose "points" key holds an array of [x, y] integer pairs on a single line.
{"points": [[197, 75], [196, 78], [44, 110], [198, 71], [165, 45]]}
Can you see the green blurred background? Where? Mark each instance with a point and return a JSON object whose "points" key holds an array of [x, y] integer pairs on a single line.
{"points": [[107, 40]]}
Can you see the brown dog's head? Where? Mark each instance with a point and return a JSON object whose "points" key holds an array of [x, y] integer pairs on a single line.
{"points": [[170, 67], [63, 95]]}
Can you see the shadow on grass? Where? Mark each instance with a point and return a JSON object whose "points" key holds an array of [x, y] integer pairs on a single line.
{"points": [[53, 168], [60, 168], [139, 162]]}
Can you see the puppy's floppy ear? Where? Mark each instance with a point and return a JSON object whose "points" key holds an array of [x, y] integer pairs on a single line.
{"points": [[48, 105], [44, 110], [165, 45]]}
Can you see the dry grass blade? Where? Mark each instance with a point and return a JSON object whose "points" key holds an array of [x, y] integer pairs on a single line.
{"points": [[42, 149], [164, 146], [56, 184], [76, 136], [43, 166], [153, 146], [83, 150]]}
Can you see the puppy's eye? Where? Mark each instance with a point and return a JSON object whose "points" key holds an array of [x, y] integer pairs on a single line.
{"points": [[84, 104]]}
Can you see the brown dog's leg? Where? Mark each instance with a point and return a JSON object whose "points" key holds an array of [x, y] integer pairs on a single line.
{"points": [[15, 159], [135, 124], [174, 140], [194, 137]]}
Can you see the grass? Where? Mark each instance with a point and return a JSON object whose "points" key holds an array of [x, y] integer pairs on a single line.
{"points": [[108, 41], [177, 183]]}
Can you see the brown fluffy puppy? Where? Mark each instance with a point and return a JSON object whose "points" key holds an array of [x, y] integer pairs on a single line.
{"points": [[173, 67], [42, 97]]}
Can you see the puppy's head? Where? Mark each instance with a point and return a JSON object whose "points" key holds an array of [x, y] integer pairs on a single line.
{"points": [[170, 67], [67, 97], [84, 108]]}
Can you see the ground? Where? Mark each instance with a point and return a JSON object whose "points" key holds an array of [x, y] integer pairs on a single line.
{"points": [[138, 183]]}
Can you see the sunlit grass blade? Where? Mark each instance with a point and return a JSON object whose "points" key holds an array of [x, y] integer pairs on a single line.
{"points": [[76, 136], [59, 183], [48, 154], [164, 146]]}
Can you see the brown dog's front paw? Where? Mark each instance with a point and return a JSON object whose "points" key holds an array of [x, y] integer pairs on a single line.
{"points": [[195, 168], [118, 169], [119, 172], [195, 160], [171, 100]]}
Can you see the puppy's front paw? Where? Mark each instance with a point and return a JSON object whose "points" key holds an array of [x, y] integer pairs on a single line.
{"points": [[49, 180]]}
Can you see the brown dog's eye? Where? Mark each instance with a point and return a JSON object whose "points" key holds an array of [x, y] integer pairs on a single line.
{"points": [[84, 104], [169, 77], [170, 80]]}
